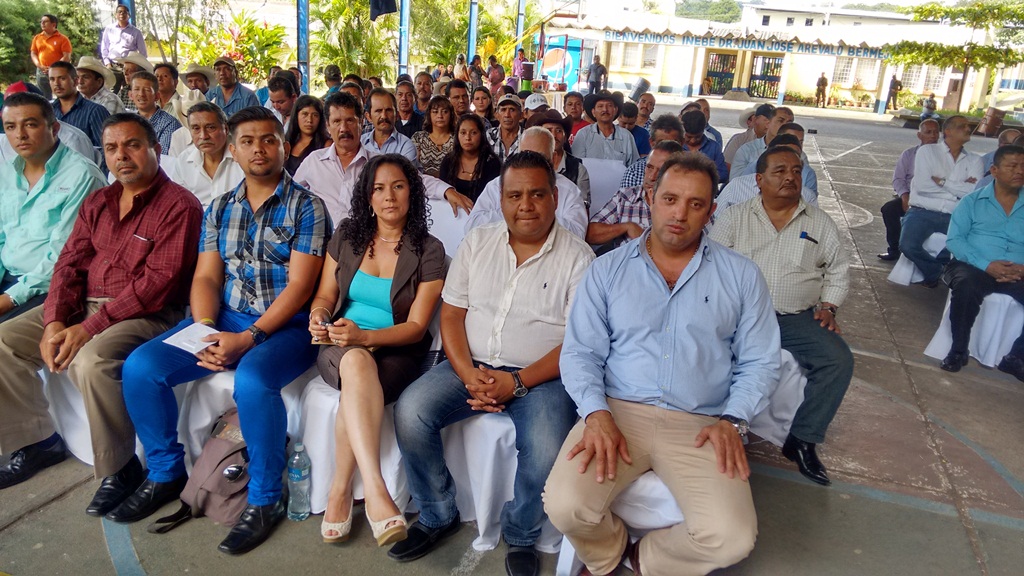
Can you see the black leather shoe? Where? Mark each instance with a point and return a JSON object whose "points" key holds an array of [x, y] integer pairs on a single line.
{"points": [[954, 361], [255, 525], [421, 540], [521, 561], [806, 459], [147, 499], [117, 488], [889, 256], [25, 463], [1012, 365]]}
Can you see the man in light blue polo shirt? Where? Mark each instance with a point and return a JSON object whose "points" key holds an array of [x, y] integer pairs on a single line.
{"points": [[986, 239], [229, 93], [41, 190]]}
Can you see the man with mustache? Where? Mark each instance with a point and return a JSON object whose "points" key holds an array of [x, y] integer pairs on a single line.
{"points": [[424, 90], [384, 139], [798, 250], [122, 278], [229, 93], [207, 168], [261, 251], [332, 173], [409, 121]]}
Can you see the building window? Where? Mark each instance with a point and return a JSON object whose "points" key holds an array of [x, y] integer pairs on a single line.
{"points": [[867, 73], [650, 56], [631, 56], [911, 77], [933, 78], [765, 20], [841, 75], [616, 55], [790, 21], [809, 22]]}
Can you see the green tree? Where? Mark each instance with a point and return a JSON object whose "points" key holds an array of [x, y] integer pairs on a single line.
{"points": [[342, 33], [254, 45], [19, 22], [163, 21], [714, 10], [990, 16]]}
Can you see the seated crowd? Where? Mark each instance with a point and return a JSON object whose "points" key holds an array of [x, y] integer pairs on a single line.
{"points": [[298, 230]]}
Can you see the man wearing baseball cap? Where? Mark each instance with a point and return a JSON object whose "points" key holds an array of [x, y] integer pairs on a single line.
{"points": [[229, 93], [504, 138], [604, 139], [534, 104], [94, 80]]}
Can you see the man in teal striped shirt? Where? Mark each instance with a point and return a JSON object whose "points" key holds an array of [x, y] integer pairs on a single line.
{"points": [[40, 192]]}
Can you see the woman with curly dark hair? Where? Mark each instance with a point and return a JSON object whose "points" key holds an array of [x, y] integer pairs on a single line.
{"points": [[380, 285], [306, 132], [472, 163], [437, 138]]}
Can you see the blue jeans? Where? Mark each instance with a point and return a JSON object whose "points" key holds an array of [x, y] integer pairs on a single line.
{"points": [[828, 362], [542, 420], [153, 369], [918, 225]]}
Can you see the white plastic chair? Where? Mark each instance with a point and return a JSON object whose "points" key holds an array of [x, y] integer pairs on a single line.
{"points": [[906, 272], [997, 326]]}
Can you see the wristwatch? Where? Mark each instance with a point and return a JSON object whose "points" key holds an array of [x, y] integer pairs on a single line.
{"points": [[519, 390], [258, 335], [740, 424], [831, 309]]}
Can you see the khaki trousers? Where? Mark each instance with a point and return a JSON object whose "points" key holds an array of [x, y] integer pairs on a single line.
{"points": [[720, 524], [95, 370]]}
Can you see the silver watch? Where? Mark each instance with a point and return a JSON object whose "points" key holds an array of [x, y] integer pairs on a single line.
{"points": [[740, 424]]}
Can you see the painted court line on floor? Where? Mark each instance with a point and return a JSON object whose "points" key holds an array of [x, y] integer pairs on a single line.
{"points": [[122, 552]]}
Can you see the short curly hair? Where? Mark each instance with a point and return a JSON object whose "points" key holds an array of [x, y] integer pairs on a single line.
{"points": [[361, 225]]}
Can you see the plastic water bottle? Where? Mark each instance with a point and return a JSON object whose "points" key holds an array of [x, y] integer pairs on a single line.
{"points": [[298, 484]]}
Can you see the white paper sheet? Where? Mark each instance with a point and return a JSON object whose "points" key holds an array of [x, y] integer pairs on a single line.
{"points": [[191, 339]]}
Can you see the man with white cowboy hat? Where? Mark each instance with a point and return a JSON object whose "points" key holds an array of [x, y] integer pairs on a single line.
{"points": [[181, 139], [94, 82], [199, 78], [132, 63], [229, 93], [755, 120]]}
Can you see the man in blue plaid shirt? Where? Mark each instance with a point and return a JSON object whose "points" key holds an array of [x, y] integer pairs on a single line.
{"points": [[628, 213], [261, 252]]}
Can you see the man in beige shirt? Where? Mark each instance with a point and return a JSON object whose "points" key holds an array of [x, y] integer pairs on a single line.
{"points": [[797, 248]]}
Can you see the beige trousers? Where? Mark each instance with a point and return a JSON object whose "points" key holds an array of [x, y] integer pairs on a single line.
{"points": [[95, 370], [720, 524]]}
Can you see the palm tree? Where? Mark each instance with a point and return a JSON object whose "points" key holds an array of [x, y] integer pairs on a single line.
{"points": [[343, 34]]}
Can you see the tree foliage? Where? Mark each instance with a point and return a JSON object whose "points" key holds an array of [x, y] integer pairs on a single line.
{"points": [[164, 21], [254, 45], [440, 29], [992, 16], [342, 33], [715, 10]]}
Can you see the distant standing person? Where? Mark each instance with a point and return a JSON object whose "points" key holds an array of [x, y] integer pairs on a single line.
{"points": [[895, 87], [705, 86], [120, 38], [495, 74], [476, 72], [819, 94], [517, 63], [48, 47], [597, 75]]}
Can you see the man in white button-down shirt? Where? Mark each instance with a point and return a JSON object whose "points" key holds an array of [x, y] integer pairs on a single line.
{"points": [[505, 304], [207, 168], [943, 174], [331, 173]]}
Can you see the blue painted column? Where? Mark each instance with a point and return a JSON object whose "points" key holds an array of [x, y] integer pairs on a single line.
{"points": [[519, 24], [302, 31], [403, 38], [471, 48], [131, 10]]}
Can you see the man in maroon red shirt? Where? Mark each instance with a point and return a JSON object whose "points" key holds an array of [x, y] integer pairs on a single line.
{"points": [[122, 278]]}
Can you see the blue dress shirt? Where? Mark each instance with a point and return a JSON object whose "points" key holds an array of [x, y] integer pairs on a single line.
{"points": [[980, 231], [242, 97], [710, 346]]}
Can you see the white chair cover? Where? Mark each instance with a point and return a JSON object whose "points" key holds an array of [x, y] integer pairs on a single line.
{"points": [[209, 397], [997, 326], [605, 176], [447, 227], [905, 272], [647, 503]]}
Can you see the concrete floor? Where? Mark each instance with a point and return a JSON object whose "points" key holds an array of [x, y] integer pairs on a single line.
{"points": [[927, 469]]}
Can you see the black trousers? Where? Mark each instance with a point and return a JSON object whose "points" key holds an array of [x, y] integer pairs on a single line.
{"points": [[892, 216], [968, 287]]}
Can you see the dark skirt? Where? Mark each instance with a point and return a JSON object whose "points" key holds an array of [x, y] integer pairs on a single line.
{"points": [[396, 367]]}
